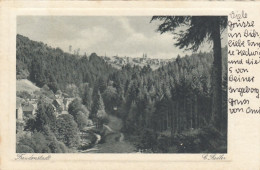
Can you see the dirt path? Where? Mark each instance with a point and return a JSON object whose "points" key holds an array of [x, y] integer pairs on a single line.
{"points": [[115, 123], [114, 140]]}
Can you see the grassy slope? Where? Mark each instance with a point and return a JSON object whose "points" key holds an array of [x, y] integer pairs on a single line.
{"points": [[26, 85]]}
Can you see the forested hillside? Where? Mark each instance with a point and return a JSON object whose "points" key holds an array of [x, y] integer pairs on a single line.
{"points": [[174, 100], [51, 66], [179, 93], [166, 108]]}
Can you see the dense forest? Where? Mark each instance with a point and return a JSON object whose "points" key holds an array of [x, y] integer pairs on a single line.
{"points": [[51, 66], [165, 110]]}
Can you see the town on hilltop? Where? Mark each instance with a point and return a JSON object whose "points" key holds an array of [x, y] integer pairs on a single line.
{"points": [[154, 63]]}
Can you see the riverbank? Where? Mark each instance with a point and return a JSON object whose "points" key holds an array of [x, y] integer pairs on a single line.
{"points": [[113, 139]]}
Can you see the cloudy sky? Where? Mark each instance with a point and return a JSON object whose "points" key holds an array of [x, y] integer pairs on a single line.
{"points": [[123, 36]]}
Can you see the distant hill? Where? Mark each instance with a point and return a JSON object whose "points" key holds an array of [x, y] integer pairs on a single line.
{"points": [[26, 85]]}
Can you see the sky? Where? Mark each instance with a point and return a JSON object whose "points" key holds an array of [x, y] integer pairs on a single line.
{"points": [[130, 36]]}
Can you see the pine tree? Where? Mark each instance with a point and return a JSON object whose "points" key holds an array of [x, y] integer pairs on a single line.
{"points": [[45, 116], [87, 97], [97, 105], [212, 26]]}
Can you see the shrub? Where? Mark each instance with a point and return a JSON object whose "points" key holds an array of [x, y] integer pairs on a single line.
{"points": [[40, 142], [19, 126], [24, 149], [206, 139], [30, 124], [81, 120], [147, 140], [67, 130], [23, 95]]}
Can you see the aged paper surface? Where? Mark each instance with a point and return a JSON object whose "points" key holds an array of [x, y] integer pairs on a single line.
{"points": [[243, 129]]}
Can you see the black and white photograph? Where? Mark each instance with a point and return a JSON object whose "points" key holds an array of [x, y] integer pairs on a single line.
{"points": [[121, 84]]}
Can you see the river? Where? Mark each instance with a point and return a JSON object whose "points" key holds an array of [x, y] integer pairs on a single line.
{"points": [[114, 140]]}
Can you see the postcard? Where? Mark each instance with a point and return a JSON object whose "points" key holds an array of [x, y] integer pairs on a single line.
{"points": [[127, 84]]}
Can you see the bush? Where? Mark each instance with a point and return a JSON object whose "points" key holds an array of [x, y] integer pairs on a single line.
{"points": [[187, 143], [147, 140], [24, 149], [63, 147], [163, 144], [213, 140], [81, 120], [19, 126], [67, 130], [40, 142], [23, 95], [30, 124], [204, 140], [129, 127], [91, 138]]}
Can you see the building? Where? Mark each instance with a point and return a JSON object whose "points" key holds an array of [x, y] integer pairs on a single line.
{"points": [[66, 102], [28, 110], [35, 104], [53, 107], [58, 103], [19, 111]]}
